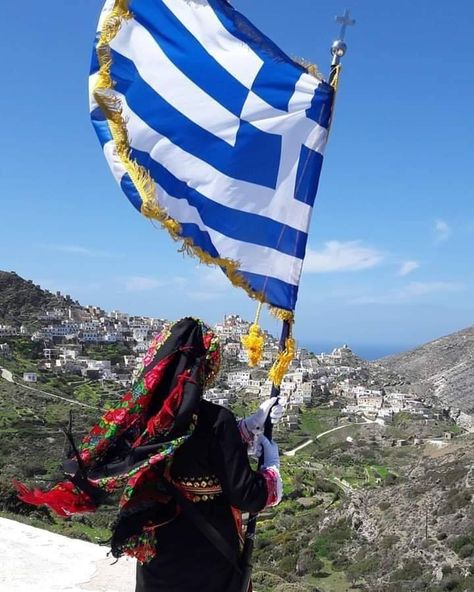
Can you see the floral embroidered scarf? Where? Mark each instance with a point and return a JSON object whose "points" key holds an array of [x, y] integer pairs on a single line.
{"points": [[131, 448]]}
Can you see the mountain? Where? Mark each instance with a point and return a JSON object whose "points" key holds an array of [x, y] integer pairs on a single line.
{"points": [[442, 369], [21, 301]]}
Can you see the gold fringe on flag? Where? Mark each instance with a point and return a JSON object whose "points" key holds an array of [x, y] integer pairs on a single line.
{"points": [[282, 314], [140, 176]]}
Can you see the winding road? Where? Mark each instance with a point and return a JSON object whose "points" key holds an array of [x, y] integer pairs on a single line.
{"points": [[310, 441]]}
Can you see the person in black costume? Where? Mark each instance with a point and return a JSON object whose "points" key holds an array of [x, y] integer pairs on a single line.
{"points": [[213, 464], [181, 465]]}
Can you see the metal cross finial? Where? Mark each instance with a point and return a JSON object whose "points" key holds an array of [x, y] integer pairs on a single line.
{"points": [[345, 21], [339, 46]]}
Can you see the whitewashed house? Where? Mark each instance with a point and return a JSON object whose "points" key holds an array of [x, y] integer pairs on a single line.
{"points": [[30, 377], [238, 378]]}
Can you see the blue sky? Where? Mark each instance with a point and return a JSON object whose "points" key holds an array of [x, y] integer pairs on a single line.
{"points": [[391, 247]]}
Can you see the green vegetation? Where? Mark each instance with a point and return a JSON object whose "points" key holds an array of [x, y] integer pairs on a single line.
{"points": [[338, 529], [21, 300]]}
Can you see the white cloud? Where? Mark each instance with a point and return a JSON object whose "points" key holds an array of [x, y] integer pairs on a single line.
{"points": [[78, 250], [341, 256], [410, 293], [211, 284], [140, 283], [415, 289], [442, 231], [407, 267], [214, 278]]}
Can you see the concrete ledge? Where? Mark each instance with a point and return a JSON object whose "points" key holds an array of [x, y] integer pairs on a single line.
{"points": [[39, 560]]}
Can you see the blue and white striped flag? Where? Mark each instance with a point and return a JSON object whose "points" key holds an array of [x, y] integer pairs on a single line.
{"points": [[209, 127]]}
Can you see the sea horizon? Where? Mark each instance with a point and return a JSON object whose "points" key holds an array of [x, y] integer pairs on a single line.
{"points": [[366, 351]]}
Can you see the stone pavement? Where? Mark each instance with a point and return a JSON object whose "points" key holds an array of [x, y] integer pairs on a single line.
{"points": [[35, 559]]}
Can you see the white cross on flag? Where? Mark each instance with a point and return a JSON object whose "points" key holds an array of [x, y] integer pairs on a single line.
{"points": [[209, 127]]}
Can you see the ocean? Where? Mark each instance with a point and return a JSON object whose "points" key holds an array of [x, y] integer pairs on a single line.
{"points": [[363, 350]]}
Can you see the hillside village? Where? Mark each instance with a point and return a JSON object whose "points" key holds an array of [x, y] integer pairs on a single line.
{"points": [[364, 451], [339, 378]]}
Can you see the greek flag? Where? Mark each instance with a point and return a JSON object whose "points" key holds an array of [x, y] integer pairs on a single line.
{"points": [[210, 128]]}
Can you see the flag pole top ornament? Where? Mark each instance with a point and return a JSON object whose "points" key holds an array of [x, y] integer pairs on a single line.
{"points": [[339, 47]]}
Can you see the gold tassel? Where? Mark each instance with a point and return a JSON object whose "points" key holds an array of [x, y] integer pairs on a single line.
{"points": [[282, 363], [254, 342]]}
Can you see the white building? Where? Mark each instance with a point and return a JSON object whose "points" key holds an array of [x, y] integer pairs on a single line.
{"points": [[141, 347], [8, 331], [63, 330], [370, 403], [90, 326], [266, 389], [140, 333], [130, 361], [52, 315], [100, 365], [90, 336], [30, 377], [111, 337], [120, 316], [4, 350], [304, 392], [232, 349], [238, 378]]}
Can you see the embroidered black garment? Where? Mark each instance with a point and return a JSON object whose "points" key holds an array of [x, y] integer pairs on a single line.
{"points": [[186, 561]]}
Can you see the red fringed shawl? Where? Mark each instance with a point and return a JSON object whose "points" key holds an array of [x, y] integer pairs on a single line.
{"points": [[159, 413]]}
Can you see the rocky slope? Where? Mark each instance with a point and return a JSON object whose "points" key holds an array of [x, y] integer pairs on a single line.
{"points": [[21, 301], [419, 533], [442, 369]]}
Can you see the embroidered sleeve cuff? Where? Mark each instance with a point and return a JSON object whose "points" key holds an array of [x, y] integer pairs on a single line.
{"points": [[245, 433], [274, 486]]}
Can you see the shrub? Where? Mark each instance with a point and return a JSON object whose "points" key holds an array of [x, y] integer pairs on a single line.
{"points": [[330, 540], [308, 563], [466, 551], [390, 479], [411, 570], [266, 580], [463, 541], [451, 582], [364, 567], [388, 541], [288, 564], [290, 588]]}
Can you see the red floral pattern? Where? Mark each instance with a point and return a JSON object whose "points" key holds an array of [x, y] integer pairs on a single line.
{"points": [[127, 418]]}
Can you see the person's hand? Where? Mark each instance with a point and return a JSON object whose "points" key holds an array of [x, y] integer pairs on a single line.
{"points": [[255, 423], [271, 456]]}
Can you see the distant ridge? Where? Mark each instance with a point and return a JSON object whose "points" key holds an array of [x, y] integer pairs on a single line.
{"points": [[21, 301], [443, 369]]}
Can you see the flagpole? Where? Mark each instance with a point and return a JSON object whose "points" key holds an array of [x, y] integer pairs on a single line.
{"points": [[339, 47], [249, 541], [338, 50]]}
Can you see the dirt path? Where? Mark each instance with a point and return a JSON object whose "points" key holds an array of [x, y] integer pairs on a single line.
{"points": [[9, 378], [308, 442]]}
